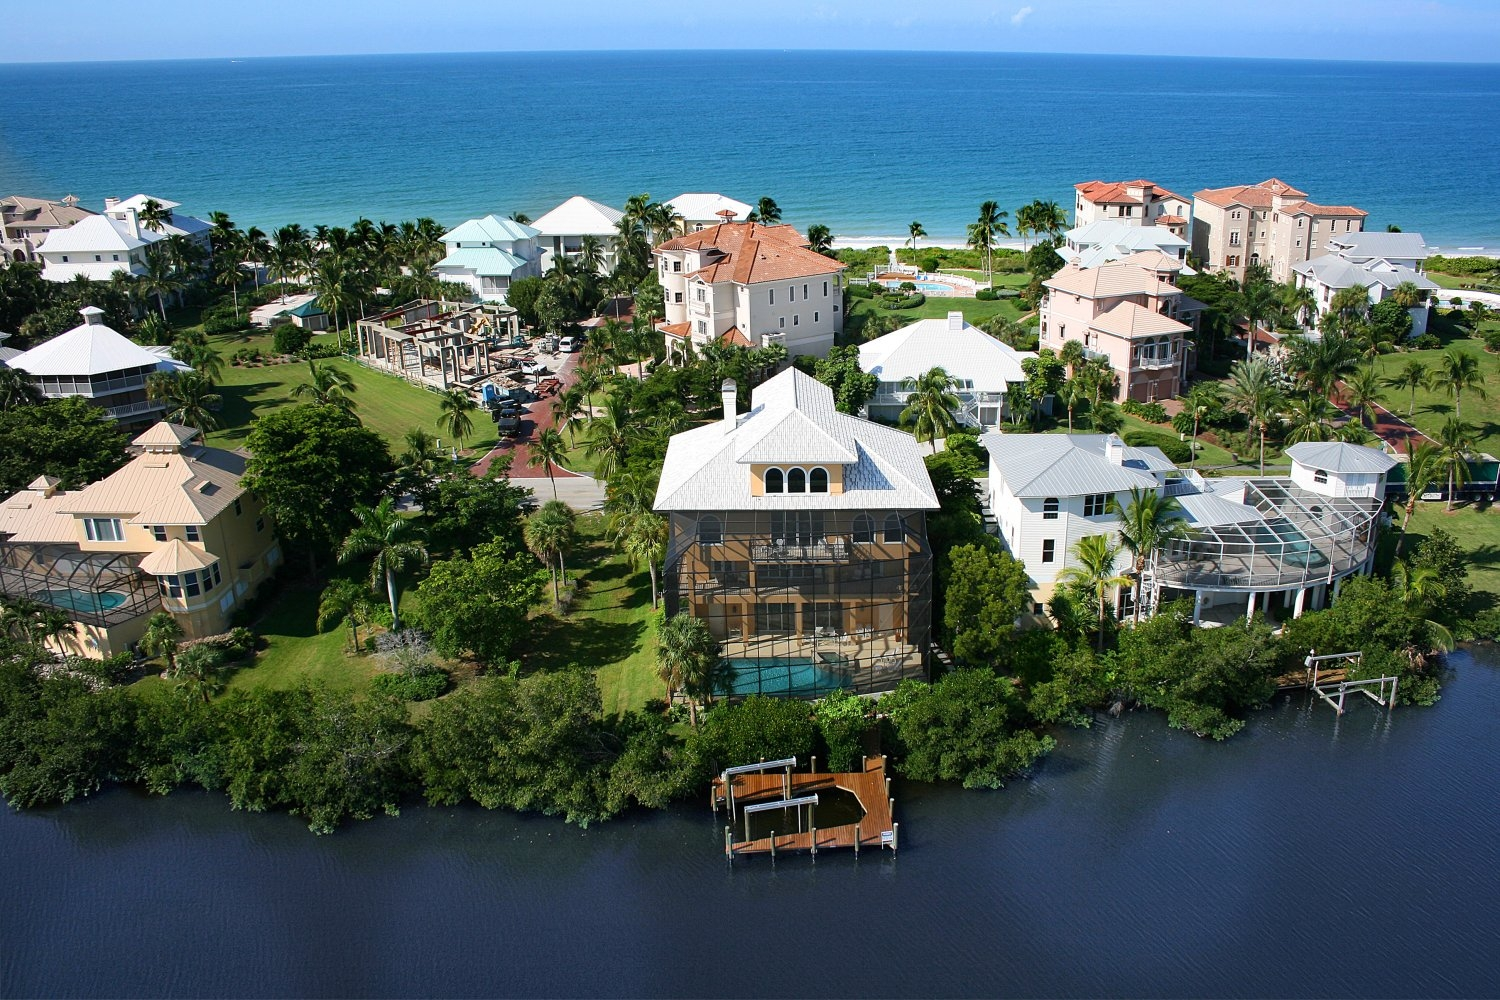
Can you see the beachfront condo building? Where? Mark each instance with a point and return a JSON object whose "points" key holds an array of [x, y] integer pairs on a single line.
{"points": [[100, 364], [1270, 223], [172, 530], [561, 232], [26, 222], [752, 285], [486, 255], [117, 240], [1129, 312], [798, 534], [704, 210], [1376, 262], [983, 369], [1251, 543], [1131, 203]]}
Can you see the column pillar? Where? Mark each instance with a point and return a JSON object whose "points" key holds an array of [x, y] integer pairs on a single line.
{"points": [[1337, 586], [1250, 610], [1198, 607], [1301, 600]]}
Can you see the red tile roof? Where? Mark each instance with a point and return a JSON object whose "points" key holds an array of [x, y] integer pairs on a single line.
{"points": [[735, 338], [1250, 195], [1115, 192], [750, 253], [678, 330]]}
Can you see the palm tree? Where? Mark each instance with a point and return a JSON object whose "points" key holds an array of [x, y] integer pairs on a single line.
{"points": [[1362, 394], [329, 386], [549, 450], [344, 601], [17, 388], [1072, 355], [566, 409], [161, 278], [1418, 586], [930, 406], [642, 538], [820, 239], [1459, 370], [686, 653], [1323, 362], [154, 215], [609, 437], [591, 254], [1255, 302], [331, 283], [161, 637], [456, 414], [190, 399], [1298, 304], [549, 532], [1424, 469], [1412, 375], [982, 234], [1253, 392], [394, 542], [766, 212], [1201, 400], [1095, 572], [1309, 418], [227, 252], [197, 672], [917, 232], [1408, 295], [1455, 441], [254, 250], [1147, 523], [1048, 217], [1073, 392]]}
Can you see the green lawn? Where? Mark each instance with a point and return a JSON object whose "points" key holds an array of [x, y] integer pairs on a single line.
{"points": [[1477, 529], [935, 307], [1459, 282], [608, 628], [296, 652], [1434, 407]]}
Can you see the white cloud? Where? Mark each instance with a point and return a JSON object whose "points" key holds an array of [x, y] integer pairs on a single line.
{"points": [[1020, 16]]}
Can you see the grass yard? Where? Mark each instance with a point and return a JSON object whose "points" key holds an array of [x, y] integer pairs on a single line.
{"points": [[1434, 406], [609, 627], [974, 311], [296, 652], [1477, 529]]}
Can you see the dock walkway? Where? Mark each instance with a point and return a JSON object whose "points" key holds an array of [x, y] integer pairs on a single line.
{"points": [[877, 828]]}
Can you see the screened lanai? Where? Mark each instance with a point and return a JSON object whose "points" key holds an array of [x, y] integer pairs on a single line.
{"points": [[95, 588]]}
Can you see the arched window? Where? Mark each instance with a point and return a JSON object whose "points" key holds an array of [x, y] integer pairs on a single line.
{"points": [[893, 532], [775, 481], [1049, 509], [796, 481], [817, 481], [864, 528], [710, 530]]}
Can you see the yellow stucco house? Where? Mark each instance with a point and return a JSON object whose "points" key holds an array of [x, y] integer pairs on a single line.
{"points": [[172, 530]]}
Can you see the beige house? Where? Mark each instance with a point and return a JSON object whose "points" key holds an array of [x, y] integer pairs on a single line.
{"points": [[172, 530], [752, 285], [25, 223], [1131, 313], [1134, 203], [1270, 223]]}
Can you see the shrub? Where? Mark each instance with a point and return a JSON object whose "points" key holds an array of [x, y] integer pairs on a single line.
{"points": [[1426, 342], [963, 728], [289, 339], [910, 302], [930, 262], [860, 292], [758, 728], [411, 687], [317, 350], [987, 295], [217, 324], [1151, 412], [1175, 450], [843, 719], [1492, 340]]}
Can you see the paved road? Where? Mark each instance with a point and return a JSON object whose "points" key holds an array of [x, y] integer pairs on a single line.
{"points": [[579, 492], [536, 418]]}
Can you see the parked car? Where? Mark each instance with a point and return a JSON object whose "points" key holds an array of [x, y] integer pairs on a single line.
{"points": [[508, 426], [568, 345]]}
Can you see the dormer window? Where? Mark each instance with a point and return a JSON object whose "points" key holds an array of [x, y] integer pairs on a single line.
{"points": [[796, 481], [775, 481], [817, 481]]}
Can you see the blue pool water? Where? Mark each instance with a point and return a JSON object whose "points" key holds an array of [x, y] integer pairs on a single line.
{"points": [[84, 600], [783, 675], [922, 286]]}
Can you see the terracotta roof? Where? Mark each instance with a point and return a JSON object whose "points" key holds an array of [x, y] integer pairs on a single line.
{"points": [[1171, 220], [1129, 320], [751, 253], [675, 329], [735, 338], [1249, 195], [1308, 208], [1117, 192], [1105, 281]]}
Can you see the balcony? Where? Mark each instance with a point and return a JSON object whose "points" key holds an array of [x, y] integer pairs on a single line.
{"points": [[132, 410], [1155, 364], [826, 550]]}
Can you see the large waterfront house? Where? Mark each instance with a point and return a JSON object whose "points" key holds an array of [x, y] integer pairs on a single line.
{"points": [[173, 222], [1129, 312], [98, 363], [172, 530], [561, 231], [26, 222], [798, 534], [1270, 223], [1376, 262], [703, 210], [116, 240], [748, 284], [1138, 203], [1251, 542], [983, 368], [1106, 240], [486, 255]]}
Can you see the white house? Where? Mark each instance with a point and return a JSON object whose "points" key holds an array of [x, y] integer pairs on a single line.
{"points": [[487, 254], [1107, 240], [97, 247], [983, 367], [561, 231], [1250, 541], [1377, 262], [175, 224], [704, 210]]}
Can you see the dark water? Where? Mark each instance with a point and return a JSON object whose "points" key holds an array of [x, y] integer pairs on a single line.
{"points": [[1307, 856], [863, 142]]}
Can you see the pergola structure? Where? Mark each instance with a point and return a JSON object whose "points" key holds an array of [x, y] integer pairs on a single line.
{"points": [[439, 344]]}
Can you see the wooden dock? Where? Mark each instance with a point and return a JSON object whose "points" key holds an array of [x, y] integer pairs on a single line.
{"points": [[876, 829]]}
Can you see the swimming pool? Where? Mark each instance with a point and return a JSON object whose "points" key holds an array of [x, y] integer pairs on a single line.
{"points": [[84, 600], [922, 286], [784, 676]]}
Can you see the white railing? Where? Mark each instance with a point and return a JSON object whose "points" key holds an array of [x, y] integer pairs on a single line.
{"points": [[134, 410]]}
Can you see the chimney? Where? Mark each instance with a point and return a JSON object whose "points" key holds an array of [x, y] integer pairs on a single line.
{"points": [[110, 203], [92, 315], [955, 322], [730, 392], [1114, 450], [133, 222]]}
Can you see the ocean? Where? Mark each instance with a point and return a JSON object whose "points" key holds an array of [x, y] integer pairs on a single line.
{"points": [[863, 142]]}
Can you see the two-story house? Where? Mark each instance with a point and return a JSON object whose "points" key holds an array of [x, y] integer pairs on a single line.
{"points": [[1140, 203], [1131, 313], [172, 530], [1376, 262], [798, 534], [26, 222], [749, 284], [486, 255], [703, 210], [560, 232], [1270, 223], [1105, 240]]}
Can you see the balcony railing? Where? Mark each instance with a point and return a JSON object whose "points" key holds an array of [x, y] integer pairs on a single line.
{"points": [[134, 410], [791, 551], [1152, 364]]}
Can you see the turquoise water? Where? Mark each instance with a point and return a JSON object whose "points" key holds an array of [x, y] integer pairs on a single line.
{"points": [[84, 600], [922, 286], [862, 142], [785, 676]]}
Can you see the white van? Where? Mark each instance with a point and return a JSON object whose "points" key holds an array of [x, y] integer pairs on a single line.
{"points": [[568, 345]]}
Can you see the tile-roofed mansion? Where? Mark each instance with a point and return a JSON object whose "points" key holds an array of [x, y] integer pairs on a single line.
{"points": [[26, 222], [1139, 203], [982, 367], [486, 255], [751, 285], [171, 530], [1270, 223], [1131, 313], [1250, 542], [798, 534], [1376, 262], [100, 364]]}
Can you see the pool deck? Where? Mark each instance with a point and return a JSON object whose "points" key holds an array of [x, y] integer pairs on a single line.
{"points": [[871, 787]]}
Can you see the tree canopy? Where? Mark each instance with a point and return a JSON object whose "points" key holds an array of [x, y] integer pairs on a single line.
{"points": [[68, 438]]}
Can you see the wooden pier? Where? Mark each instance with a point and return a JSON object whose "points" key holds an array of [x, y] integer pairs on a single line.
{"points": [[1332, 684], [876, 829]]}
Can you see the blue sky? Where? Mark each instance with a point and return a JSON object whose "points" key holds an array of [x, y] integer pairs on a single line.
{"points": [[1445, 30]]}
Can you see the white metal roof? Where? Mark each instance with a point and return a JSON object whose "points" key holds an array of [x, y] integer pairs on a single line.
{"points": [[98, 234], [579, 216], [1069, 465], [490, 229], [1339, 456], [138, 203], [91, 348], [705, 206], [792, 420], [965, 352]]}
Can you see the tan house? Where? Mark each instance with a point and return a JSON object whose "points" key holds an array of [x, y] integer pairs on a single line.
{"points": [[1270, 223], [1131, 313], [172, 530], [25, 223], [751, 285], [1134, 203]]}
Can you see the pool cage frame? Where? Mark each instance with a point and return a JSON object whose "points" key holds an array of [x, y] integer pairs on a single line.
{"points": [[34, 571], [806, 602]]}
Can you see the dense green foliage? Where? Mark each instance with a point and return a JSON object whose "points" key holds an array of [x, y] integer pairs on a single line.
{"points": [[758, 728], [478, 603], [68, 438], [1462, 266], [1175, 449], [968, 727], [986, 590], [843, 720]]}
